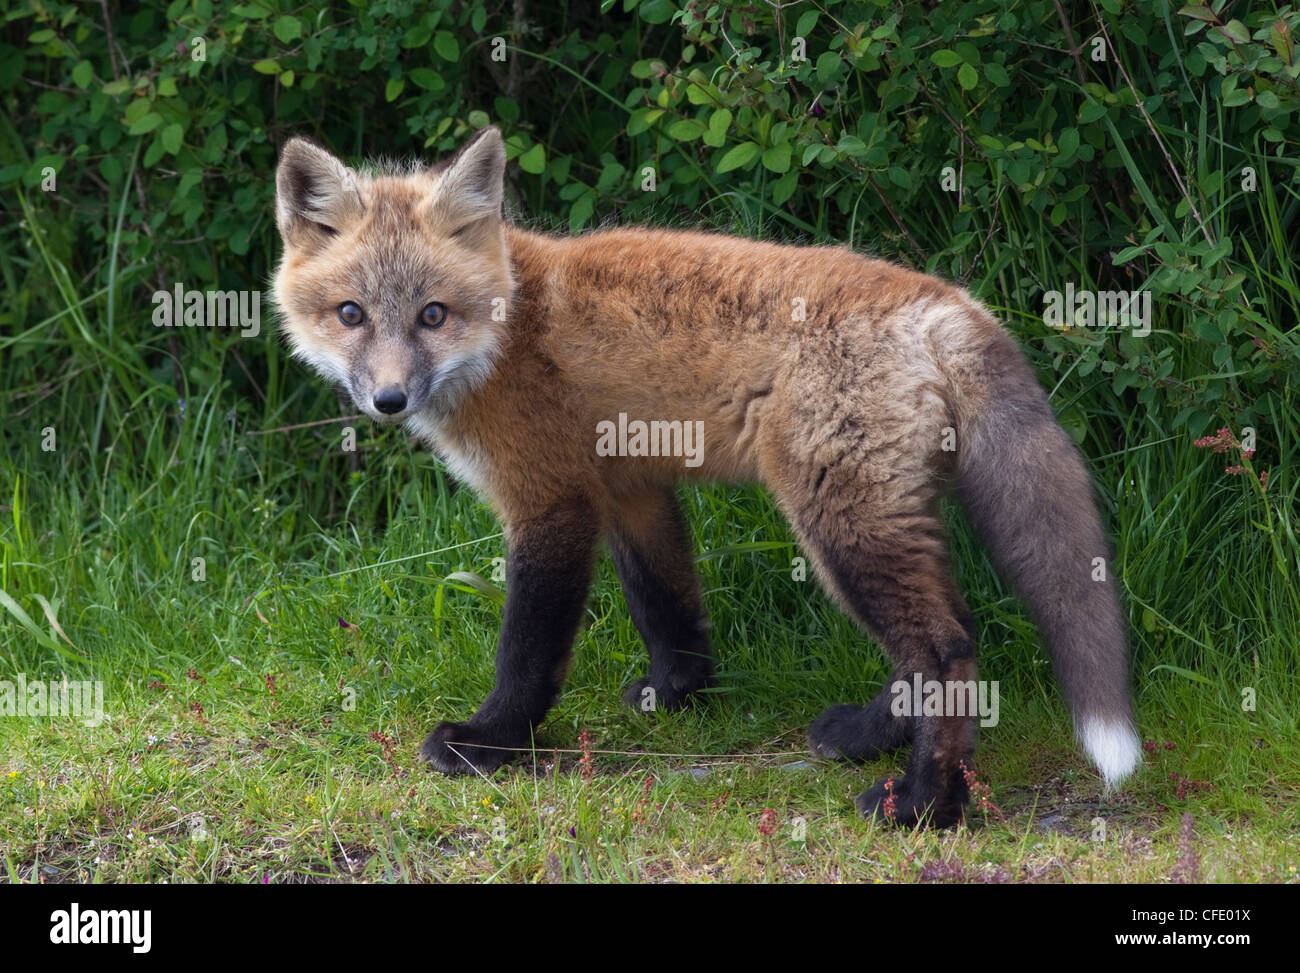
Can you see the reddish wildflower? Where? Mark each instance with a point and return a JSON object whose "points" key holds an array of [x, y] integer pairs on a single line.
{"points": [[767, 824], [1169, 744], [890, 807], [586, 766], [193, 673], [639, 812], [270, 683], [197, 710], [981, 792], [1183, 784], [1220, 442], [389, 748], [1150, 746], [157, 685]]}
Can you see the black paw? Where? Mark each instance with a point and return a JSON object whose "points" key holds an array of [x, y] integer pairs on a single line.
{"points": [[648, 696], [451, 749], [895, 801], [857, 733]]}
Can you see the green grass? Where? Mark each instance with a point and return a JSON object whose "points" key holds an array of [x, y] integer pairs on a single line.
{"points": [[220, 778]]}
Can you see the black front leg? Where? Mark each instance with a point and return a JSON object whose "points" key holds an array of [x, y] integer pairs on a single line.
{"points": [[548, 573]]}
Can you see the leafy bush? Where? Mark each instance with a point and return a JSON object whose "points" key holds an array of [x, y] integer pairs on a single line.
{"points": [[1015, 149]]}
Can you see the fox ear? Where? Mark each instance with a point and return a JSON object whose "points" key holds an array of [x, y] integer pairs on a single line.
{"points": [[315, 194], [471, 184]]}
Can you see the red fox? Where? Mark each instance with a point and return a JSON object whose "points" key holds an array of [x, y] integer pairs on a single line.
{"points": [[573, 382]]}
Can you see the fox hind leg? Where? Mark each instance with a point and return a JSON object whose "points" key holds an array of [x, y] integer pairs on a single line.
{"points": [[891, 574], [651, 548], [861, 733]]}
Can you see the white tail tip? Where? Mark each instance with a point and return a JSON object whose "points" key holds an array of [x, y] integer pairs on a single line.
{"points": [[1113, 746]]}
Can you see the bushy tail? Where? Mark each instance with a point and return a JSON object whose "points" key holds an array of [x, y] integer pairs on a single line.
{"points": [[1031, 499]]}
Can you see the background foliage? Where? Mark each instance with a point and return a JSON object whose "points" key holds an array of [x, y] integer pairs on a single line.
{"points": [[1092, 145]]}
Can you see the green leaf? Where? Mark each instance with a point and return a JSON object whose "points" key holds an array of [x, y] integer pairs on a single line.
{"points": [[1091, 111], [1185, 673], [534, 160], [1068, 145], [738, 155], [172, 137], [968, 77], [784, 187], [777, 158], [427, 78], [25, 621], [287, 28], [997, 74], [656, 11], [417, 36], [394, 88], [946, 59], [685, 129], [444, 42], [581, 211], [828, 65], [850, 145], [807, 21], [83, 74], [144, 124], [642, 119], [471, 583], [1235, 31], [266, 67]]}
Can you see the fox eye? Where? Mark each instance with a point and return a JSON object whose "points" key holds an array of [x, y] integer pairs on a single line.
{"points": [[433, 315], [350, 314]]}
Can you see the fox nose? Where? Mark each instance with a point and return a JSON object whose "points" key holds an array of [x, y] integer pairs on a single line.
{"points": [[390, 400]]}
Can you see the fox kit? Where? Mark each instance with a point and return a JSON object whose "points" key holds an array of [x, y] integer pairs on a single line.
{"points": [[573, 381]]}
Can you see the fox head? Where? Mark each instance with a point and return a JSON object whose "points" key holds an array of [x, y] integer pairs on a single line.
{"points": [[394, 284]]}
